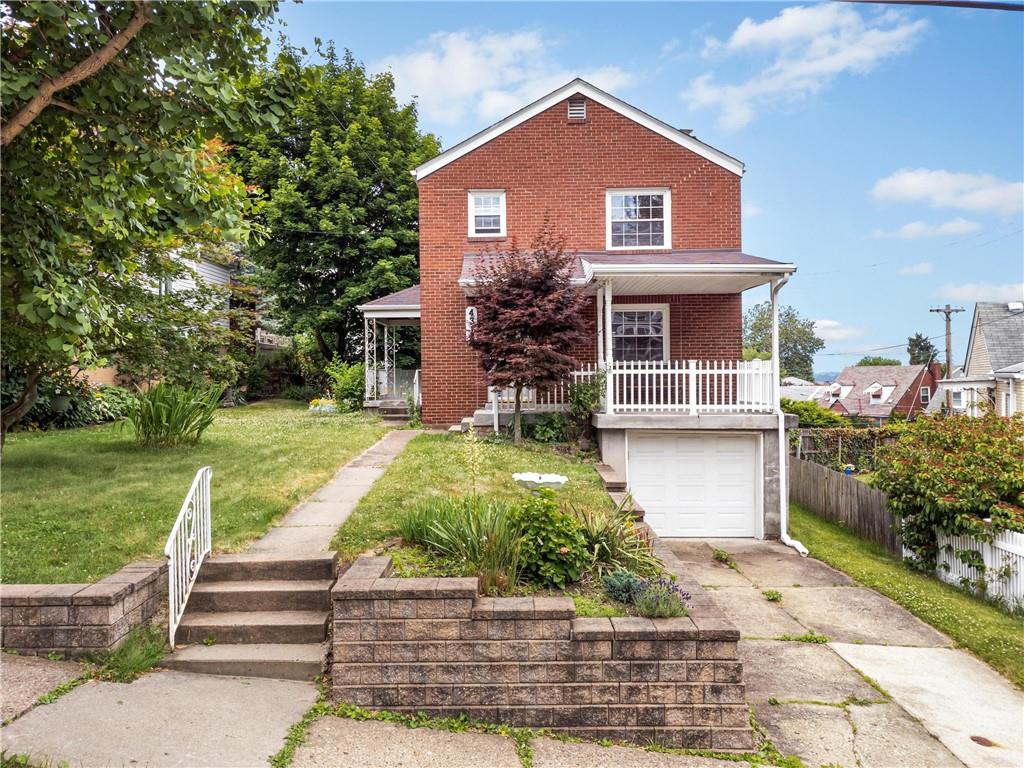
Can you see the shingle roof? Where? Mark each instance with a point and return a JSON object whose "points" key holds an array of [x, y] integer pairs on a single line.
{"points": [[1003, 331], [407, 297], [860, 377]]}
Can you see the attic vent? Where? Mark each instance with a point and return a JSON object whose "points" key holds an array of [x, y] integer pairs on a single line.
{"points": [[577, 109], [1013, 306]]}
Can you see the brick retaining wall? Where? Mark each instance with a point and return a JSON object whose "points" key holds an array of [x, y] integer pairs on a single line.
{"points": [[434, 646], [75, 619]]}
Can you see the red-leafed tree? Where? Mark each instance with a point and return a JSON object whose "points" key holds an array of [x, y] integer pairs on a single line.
{"points": [[529, 316]]}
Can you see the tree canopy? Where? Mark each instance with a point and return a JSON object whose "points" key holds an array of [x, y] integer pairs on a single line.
{"points": [[876, 360], [110, 145], [529, 316], [798, 342], [921, 350], [340, 204]]}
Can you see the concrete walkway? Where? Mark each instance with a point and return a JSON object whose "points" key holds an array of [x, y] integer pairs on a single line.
{"points": [[814, 700], [311, 525]]}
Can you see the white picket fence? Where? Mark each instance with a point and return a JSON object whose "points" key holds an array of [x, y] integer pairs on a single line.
{"points": [[189, 543], [1004, 564]]}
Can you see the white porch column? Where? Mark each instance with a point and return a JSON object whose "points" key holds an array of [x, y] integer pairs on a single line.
{"points": [[369, 393], [609, 356], [776, 365], [600, 326]]}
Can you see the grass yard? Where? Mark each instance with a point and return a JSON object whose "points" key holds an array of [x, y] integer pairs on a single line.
{"points": [[79, 504], [435, 465], [990, 634]]}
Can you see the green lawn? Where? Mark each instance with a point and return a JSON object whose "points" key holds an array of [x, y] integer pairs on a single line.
{"points": [[992, 635], [79, 504], [435, 465]]}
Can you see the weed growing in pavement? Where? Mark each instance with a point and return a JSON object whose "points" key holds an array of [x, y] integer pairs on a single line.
{"points": [[725, 558], [772, 595], [810, 636]]}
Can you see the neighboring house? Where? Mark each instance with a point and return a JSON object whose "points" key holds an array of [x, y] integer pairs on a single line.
{"points": [[994, 372], [875, 393], [653, 217], [800, 390]]}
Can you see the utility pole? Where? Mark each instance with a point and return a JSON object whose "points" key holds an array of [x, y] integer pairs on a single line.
{"points": [[948, 311]]}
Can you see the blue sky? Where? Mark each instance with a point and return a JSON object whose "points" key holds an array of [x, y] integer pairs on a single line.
{"points": [[884, 145]]}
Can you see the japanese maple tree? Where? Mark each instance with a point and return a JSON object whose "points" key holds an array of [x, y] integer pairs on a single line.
{"points": [[529, 316]]}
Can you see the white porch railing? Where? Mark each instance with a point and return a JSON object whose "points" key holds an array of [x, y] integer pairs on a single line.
{"points": [[189, 543], [722, 386], [417, 395], [1004, 564]]}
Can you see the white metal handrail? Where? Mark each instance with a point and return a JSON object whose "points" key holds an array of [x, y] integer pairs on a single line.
{"points": [[189, 543]]}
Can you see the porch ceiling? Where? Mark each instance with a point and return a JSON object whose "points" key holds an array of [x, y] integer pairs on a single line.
{"points": [[659, 284]]}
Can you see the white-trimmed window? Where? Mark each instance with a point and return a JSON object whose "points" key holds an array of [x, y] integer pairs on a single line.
{"points": [[926, 395], [487, 213], [640, 332], [638, 218], [958, 398]]}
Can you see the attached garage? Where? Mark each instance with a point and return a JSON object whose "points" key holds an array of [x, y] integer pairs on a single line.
{"points": [[696, 484]]}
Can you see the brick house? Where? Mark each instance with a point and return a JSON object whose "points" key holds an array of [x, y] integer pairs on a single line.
{"points": [[875, 393], [653, 217]]}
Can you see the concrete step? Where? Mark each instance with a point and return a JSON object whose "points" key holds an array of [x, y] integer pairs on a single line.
{"points": [[245, 567], [611, 479], [277, 660], [389, 410], [269, 595], [254, 627]]}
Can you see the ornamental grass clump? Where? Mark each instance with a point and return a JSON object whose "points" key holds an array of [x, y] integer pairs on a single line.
{"points": [[622, 585], [167, 416], [614, 543], [480, 535]]}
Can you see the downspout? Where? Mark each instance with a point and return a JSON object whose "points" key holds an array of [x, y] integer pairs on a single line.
{"points": [[776, 286]]}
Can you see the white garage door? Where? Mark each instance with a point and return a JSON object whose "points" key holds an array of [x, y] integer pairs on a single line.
{"points": [[695, 484]]}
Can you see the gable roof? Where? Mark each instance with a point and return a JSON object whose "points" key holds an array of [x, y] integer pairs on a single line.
{"points": [[861, 377], [1002, 333], [582, 87]]}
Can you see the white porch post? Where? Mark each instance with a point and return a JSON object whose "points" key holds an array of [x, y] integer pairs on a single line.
{"points": [[776, 367], [370, 393], [609, 356], [600, 326]]}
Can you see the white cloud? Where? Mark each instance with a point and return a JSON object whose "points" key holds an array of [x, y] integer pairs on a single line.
{"points": [[810, 46], [918, 229], [751, 209], [921, 268], [459, 75], [833, 330], [945, 189], [982, 292]]}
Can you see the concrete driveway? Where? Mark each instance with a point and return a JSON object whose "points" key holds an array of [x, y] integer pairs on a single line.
{"points": [[887, 690]]}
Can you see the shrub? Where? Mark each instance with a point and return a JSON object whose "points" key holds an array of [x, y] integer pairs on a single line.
{"points": [[812, 414], [554, 551], [66, 402], [952, 474], [167, 416], [613, 541], [302, 392], [622, 585], [479, 534], [661, 599], [585, 397], [348, 384], [112, 403], [547, 428]]}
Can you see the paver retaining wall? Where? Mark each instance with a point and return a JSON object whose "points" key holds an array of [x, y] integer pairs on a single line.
{"points": [[433, 645], [73, 619]]}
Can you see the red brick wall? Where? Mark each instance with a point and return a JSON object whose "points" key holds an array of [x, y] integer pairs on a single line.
{"points": [[552, 168]]}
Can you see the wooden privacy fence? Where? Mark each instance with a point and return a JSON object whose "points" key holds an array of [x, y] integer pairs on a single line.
{"points": [[845, 500]]}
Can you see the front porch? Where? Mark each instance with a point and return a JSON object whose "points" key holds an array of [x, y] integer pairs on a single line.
{"points": [[387, 385]]}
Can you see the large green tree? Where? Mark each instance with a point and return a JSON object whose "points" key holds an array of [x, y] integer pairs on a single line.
{"points": [[798, 342], [109, 146], [877, 360], [340, 204], [921, 350]]}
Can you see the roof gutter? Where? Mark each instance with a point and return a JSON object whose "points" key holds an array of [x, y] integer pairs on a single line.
{"points": [[783, 452], [611, 270]]}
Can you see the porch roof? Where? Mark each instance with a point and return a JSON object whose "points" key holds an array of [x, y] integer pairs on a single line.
{"points": [[717, 270], [403, 304]]}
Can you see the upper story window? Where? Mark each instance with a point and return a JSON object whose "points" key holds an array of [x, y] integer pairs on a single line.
{"points": [[926, 395], [640, 333], [487, 213], [639, 218]]}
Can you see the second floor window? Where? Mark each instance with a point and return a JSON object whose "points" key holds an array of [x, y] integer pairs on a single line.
{"points": [[926, 395], [487, 213], [639, 218]]}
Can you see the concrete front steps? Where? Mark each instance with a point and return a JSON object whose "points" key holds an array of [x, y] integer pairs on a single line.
{"points": [[257, 615]]}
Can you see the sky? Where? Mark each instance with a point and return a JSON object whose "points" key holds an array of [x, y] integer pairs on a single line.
{"points": [[884, 144]]}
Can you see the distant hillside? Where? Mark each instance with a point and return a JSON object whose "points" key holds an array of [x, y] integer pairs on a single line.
{"points": [[826, 377]]}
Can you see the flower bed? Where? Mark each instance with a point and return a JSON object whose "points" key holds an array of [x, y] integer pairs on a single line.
{"points": [[435, 645]]}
